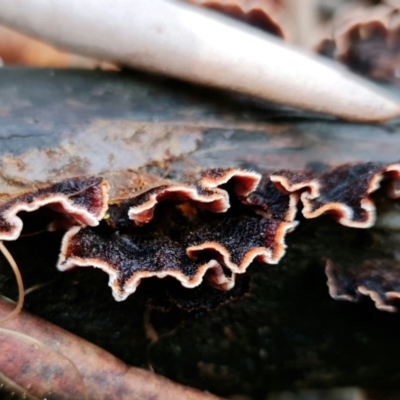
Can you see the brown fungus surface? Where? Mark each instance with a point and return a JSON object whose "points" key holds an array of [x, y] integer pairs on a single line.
{"points": [[270, 201], [129, 258], [211, 231], [141, 208], [184, 237], [200, 235], [207, 194], [83, 200], [367, 40], [344, 191], [377, 279], [261, 14]]}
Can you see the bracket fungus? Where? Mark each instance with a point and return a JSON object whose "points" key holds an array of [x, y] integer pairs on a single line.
{"points": [[367, 40], [343, 191], [377, 279], [195, 241], [82, 199], [201, 236], [261, 14]]}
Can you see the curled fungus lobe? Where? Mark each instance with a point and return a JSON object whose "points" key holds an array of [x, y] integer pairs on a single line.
{"points": [[207, 232]]}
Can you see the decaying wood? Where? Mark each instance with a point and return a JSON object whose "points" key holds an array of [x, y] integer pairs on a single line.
{"points": [[91, 122], [288, 333]]}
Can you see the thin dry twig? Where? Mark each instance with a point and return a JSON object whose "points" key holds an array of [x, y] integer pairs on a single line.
{"points": [[18, 277]]}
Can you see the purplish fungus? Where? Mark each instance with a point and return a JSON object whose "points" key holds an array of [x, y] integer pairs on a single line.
{"points": [[82, 199], [201, 234], [377, 279], [262, 14], [367, 40], [196, 242]]}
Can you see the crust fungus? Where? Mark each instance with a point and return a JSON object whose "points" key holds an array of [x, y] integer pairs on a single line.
{"points": [[198, 236], [210, 232], [367, 41], [214, 230], [344, 192], [264, 15], [377, 279], [82, 199]]}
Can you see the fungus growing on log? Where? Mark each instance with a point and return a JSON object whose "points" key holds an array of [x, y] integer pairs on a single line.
{"points": [[194, 241], [203, 235], [215, 229], [378, 279], [205, 195], [343, 191], [261, 14], [368, 42], [84, 200]]}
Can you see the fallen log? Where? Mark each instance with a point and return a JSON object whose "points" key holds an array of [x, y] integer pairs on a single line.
{"points": [[288, 332]]}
